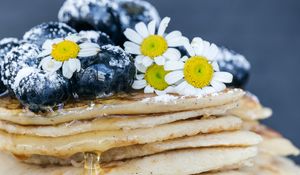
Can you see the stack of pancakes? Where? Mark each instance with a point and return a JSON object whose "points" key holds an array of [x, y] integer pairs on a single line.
{"points": [[144, 134]]}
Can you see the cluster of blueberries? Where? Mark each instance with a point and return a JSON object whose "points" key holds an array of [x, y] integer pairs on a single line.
{"points": [[101, 22]]}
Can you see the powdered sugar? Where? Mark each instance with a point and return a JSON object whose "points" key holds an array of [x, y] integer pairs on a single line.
{"points": [[8, 40], [38, 80], [42, 91], [19, 57], [238, 59], [161, 98], [40, 33], [118, 62], [25, 72], [35, 31]]}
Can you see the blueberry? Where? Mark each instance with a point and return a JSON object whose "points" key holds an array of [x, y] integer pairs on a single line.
{"points": [[100, 38], [94, 81], [50, 30], [25, 55], [111, 72], [111, 17], [237, 65], [91, 15], [40, 91], [132, 12], [6, 45]]}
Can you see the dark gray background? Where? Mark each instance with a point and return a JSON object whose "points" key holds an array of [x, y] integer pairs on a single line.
{"points": [[267, 32]]}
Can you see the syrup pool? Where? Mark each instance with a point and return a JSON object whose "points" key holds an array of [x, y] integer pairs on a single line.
{"points": [[92, 164]]}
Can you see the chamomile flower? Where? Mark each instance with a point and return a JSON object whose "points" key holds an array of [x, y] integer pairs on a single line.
{"points": [[64, 53], [151, 46], [198, 74], [153, 80]]}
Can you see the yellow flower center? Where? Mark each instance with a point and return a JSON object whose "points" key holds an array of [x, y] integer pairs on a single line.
{"points": [[155, 77], [154, 46], [65, 50], [198, 71]]}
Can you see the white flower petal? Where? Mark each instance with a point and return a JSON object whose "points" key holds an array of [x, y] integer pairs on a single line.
{"points": [[139, 84], [132, 48], [198, 46], [44, 53], [197, 40], [160, 60], [199, 92], [170, 89], [57, 40], [206, 51], [73, 38], [163, 26], [184, 59], [216, 66], [208, 90], [172, 35], [67, 72], [142, 29], [217, 85], [174, 77], [47, 45], [45, 60], [189, 90], [140, 67], [190, 49], [50, 65], [176, 42], [151, 27], [88, 45], [179, 88], [147, 61], [160, 92], [133, 36], [88, 52], [139, 59], [74, 64], [174, 65], [212, 52], [172, 54], [148, 89], [224, 77], [140, 76]]}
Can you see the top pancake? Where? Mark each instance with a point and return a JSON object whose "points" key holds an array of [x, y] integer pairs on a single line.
{"points": [[122, 104], [251, 109]]}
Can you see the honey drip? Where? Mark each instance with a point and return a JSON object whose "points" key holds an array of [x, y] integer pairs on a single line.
{"points": [[92, 164]]}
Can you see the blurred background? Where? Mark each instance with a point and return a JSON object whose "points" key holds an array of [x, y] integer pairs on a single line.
{"points": [[267, 32]]}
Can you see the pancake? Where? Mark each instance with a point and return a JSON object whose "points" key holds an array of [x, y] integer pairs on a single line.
{"points": [[264, 165], [180, 162], [136, 103], [224, 139], [251, 109], [278, 147], [273, 143], [111, 122], [229, 173], [104, 140], [273, 165]]}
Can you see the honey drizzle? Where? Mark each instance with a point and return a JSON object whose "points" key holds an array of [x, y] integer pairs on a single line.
{"points": [[92, 164]]}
